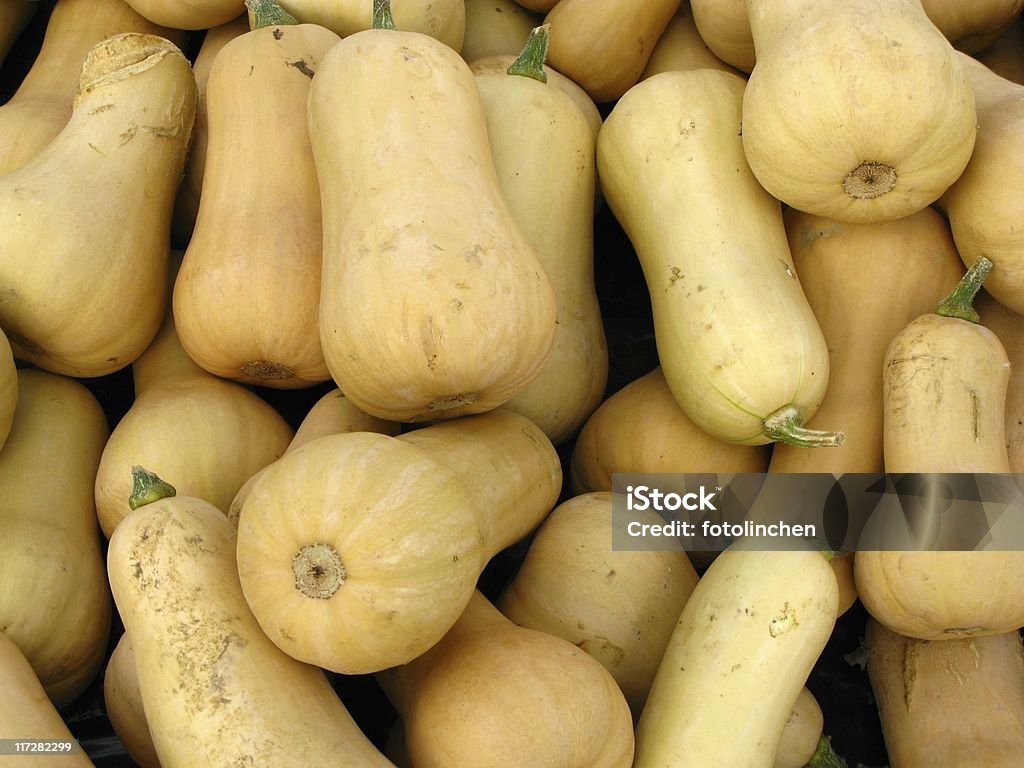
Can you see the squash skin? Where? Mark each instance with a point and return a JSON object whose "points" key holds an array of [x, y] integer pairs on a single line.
{"points": [[1005, 56], [122, 701], [972, 28], [983, 209], [8, 387], [470, 312], [725, 26], [119, 240], [496, 28], [51, 567], [950, 703], [246, 299], [531, 698], [841, 267], [672, 143], [42, 105], [620, 607], [216, 691], [681, 46], [641, 428], [191, 14], [544, 153], [604, 45], [836, 150], [388, 558], [26, 709], [1009, 327], [757, 621]]}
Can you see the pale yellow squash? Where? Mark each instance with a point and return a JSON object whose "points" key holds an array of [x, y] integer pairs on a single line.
{"points": [[122, 701], [1009, 327], [189, 14], [681, 47], [972, 27], [1005, 56], [725, 28], [496, 28], [8, 387]]}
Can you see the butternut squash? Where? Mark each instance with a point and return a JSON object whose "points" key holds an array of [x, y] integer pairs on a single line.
{"points": [[951, 703], [379, 541], [203, 434], [1005, 56], [122, 701], [98, 258], [54, 601], [444, 20], [8, 387], [744, 358], [433, 302], [192, 14], [496, 28], [330, 415], [854, 140], [734, 667], [603, 45], [186, 204], [543, 151], [841, 266], [216, 691], [725, 27], [971, 28], [491, 693], [641, 428], [15, 15], [27, 713], [42, 105], [618, 606], [945, 380], [247, 295], [1009, 327], [801, 734], [681, 47], [983, 210]]}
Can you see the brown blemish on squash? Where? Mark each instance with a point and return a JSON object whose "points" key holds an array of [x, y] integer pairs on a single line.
{"points": [[602, 648], [300, 64], [783, 622], [26, 344], [909, 673], [451, 402], [318, 570], [277, 33], [266, 370], [101, 108]]}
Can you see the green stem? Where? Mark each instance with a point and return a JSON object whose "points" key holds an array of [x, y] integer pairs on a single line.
{"points": [[959, 302], [784, 426], [147, 488], [825, 757], [530, 62], [267, 13], [382, 18]]}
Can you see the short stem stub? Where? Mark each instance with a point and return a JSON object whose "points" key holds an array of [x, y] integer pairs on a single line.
{"points": [[960, 303], [785, 426], [382, 18], [147, 487], [267, 13], [825, 757], [530, 63], [318, 569]]}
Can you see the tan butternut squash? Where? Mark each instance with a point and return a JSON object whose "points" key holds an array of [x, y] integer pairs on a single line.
{"points": [[41, 106], [543, 151], [734, 667], [945, 380], [122, 701], [950, 703], [213, 434], [383, 562], [98, 258], [744, 358], [27, 713], [603, 45], [801, 734], [841, 266], [15, 15], [8, 387], [841, 130], [496, 28], [191, 14], [641, 428], [681, 47], [491, 693], [444, 20], [725, 27], [186, 204], [54, 601], [247, 296], [972, 27], [983, 209], [1009, 327], [541, 6], [1005, 56], [618, 606], [216, 691], [330, 415], [433, 302]]}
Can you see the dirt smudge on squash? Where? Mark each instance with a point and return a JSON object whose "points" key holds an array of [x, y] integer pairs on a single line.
{"points": [[602, 648], [300, 64]]}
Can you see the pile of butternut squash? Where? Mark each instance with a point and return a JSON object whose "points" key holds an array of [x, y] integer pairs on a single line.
{"points": [[304, 376]]}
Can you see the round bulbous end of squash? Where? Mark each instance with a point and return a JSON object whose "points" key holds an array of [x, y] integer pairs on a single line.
{"points": [[123, 56], [870, 180], [266, 370], [319, 572]]}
